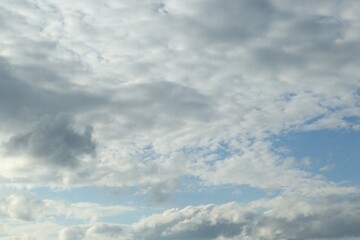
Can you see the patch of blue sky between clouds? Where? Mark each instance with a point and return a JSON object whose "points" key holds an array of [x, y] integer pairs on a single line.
{"points": [[219, 195], [108, 196], [93, 194], [334, 154]]}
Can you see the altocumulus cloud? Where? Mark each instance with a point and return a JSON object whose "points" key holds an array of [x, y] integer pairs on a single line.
{"points": [[156, 102]]}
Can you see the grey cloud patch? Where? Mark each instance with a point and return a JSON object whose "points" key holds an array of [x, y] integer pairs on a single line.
{"points": [[54, 141], [165, 98], [237, 20], [161, 192], [225, 21], [22, 99], [160, 106]]}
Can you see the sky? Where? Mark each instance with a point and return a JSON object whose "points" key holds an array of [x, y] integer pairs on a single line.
{"points": [[179, 120]]}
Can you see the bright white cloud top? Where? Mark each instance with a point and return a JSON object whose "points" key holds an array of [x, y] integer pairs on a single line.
{"points": [[191, 119]]}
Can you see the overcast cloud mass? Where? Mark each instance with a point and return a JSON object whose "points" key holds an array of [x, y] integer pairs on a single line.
{"points": [[179, 119]]}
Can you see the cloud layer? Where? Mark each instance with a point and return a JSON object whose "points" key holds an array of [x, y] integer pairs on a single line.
{"points": [[127, 95], [278, 218]]}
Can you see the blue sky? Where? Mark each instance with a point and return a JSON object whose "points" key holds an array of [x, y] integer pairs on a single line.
{"points": [[187, 120], [333, 154]]}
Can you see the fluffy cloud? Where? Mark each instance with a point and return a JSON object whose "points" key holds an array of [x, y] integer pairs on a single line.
{"points": [[71, 233], [278, 218], [93, 232], [22, 207]]}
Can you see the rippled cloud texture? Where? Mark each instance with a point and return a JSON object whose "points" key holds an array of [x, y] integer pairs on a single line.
{"points": [[179, 119]]}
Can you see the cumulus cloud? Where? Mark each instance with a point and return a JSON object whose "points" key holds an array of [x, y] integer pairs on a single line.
{"points": [[107, 230], [71, 233], [278, 218]]}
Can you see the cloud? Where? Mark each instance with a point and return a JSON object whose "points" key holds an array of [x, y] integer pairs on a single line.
{"points": [[22, 207], [161, 192], [83, 210], [327, 168], [278, 218], [53, 141], [203, 77], [107, 230], [71, 233], [25, 206], [29, 230], [95, 231], [204, 88], [128, 94], [259, 165], [220, 23], [25, 98], [189, 223]]}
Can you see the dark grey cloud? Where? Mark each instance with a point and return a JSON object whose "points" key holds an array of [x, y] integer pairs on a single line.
{"points": [[24, 100], [54, 141]]}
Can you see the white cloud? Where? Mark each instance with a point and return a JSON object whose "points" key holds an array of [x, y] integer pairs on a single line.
{"points": [[71, 233], [327, 167], [22, 207], [278, 218], [94, 232]]}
